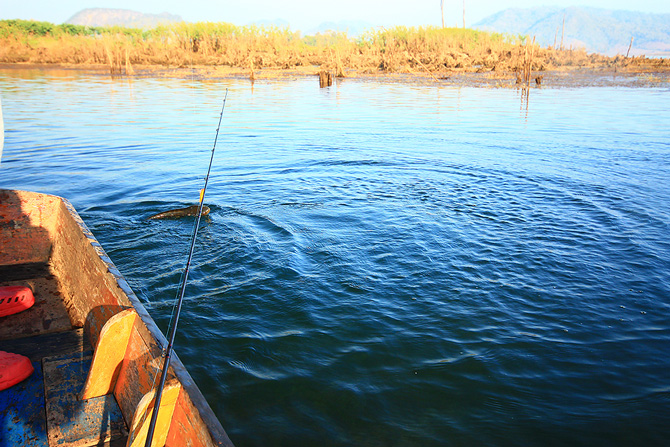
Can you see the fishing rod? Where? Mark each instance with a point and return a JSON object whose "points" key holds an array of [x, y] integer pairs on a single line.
{"points": [[182, 288]]}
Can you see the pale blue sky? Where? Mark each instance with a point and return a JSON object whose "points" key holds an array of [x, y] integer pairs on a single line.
{"points": [[306, 14]]}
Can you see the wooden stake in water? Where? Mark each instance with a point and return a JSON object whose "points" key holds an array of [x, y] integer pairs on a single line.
{"points": [[182, 288]]}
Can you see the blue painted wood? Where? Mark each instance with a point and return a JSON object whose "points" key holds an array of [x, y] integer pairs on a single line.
{"points": [[22, 416], [71, 421]]}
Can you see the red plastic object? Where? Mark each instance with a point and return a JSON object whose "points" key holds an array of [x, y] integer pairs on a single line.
{"points": [[15, 299], [14, 368]]}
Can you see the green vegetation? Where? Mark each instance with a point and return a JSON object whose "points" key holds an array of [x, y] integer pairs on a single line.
{"points": [[33, 28]]}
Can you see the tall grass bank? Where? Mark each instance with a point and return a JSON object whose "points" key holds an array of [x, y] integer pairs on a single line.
{"points": [[431, 50]]}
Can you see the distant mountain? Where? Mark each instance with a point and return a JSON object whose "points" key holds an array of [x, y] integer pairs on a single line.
{"points": [[121, 17], [279, 23], [598, 30], [353, 28]]}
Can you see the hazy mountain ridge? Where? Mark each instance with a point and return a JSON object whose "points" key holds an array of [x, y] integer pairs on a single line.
{"points": [[121, 17], [353, 28], [134, 19], [598, 30], [276, 23]]}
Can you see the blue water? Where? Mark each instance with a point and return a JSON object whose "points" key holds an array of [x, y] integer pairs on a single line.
{"points": [[384, 264]]}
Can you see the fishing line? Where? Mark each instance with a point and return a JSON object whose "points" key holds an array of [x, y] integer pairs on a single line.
{"points": [[182, 288], [193, 111], [156, 305], [192, 94]]}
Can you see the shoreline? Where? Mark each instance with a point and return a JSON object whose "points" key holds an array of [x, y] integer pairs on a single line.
{"points": [[563, 77]]}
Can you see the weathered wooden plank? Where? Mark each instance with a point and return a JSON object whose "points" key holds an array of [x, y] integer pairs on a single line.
{"points": [[22, 416], [73, 422], [48, 345], [87, 285], [110, 353]]}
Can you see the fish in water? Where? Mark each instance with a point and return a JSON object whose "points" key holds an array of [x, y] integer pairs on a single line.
{"points": [[181, 212]]}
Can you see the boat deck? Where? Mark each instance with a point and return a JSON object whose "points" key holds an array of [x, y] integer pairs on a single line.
{"points": [[45, 410]]}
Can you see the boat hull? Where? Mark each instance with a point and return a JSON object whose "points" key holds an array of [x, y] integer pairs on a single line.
{"points": [[78, 290]]}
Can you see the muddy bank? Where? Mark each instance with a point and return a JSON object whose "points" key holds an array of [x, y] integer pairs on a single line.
{"points": [[565, 77]]}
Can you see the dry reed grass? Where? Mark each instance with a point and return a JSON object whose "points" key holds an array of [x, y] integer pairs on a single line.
{"points": [[430, 50]]}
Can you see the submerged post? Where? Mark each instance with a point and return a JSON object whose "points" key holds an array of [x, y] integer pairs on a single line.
{"points": [[325, 79]]}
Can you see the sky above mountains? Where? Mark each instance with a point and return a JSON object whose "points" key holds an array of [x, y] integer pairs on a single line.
{"points": [[306, 14]]}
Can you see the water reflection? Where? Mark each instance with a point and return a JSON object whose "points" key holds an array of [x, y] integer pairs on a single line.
{"points": [[378, 251], [525, 97]]}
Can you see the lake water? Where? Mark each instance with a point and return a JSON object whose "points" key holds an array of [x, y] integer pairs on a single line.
{"points": [[384, 264]]}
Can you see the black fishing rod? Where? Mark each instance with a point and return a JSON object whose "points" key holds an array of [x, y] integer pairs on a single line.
{"points": [[182, 288]]}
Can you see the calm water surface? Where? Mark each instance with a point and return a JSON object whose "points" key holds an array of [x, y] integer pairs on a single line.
{"points": [[384, 264]]}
